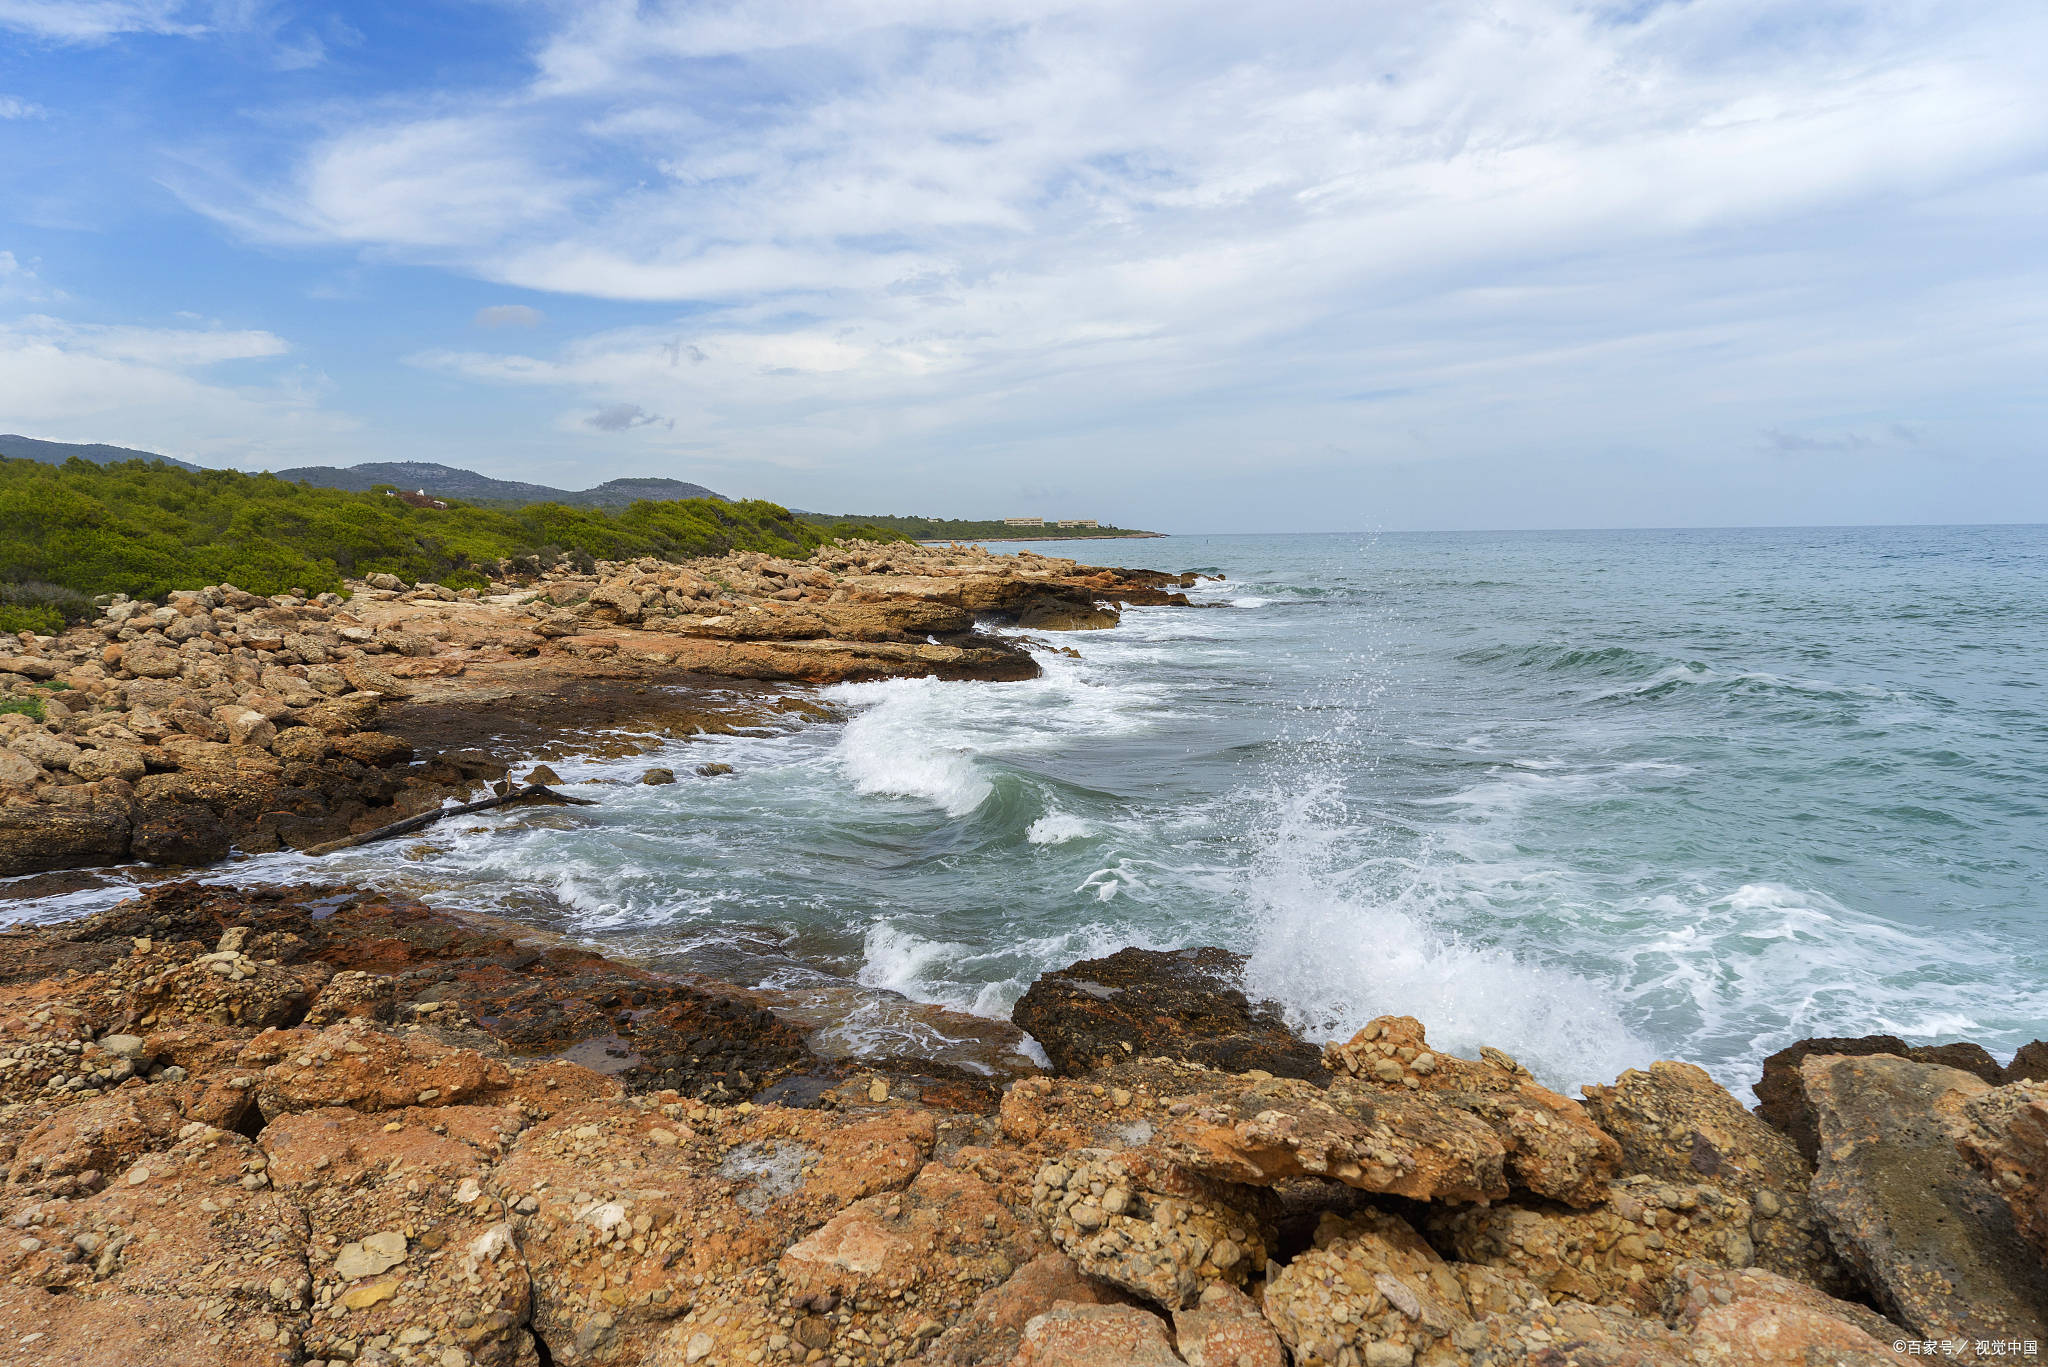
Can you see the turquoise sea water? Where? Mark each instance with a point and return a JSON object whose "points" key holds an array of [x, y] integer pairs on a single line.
{"points": [[1594, 798]]}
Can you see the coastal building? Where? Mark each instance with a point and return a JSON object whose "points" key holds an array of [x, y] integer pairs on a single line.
{"points": [[1023, 522], [1079, 522]]}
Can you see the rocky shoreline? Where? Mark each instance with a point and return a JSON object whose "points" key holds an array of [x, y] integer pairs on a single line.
{"points": [[221, 721], [313, 1125]]}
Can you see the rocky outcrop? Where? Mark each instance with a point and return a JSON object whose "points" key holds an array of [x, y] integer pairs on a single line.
{"points": [[1182, 1003], [417, 1172], [222, 720], [1676, 1124], [1781, 1091], [1553, 1149], [2005, 1135], [1928, 1234]]}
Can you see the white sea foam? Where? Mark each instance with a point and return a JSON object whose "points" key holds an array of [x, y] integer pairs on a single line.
{"points": [[901, 745], [1057, 828]]}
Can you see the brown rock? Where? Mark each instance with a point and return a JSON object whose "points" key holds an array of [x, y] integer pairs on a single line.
{"points": [[1226, 1330], [1095, 1336], [1780, 1093], [1618, 1254], [2006, 1136], [1370, 1281], [1751, 1318], [1553, 1148], [1676, 1124], [366, 1069], [1182, 1004], [2030, 1064], [990, 1329], [1928, 1233], [1571, 1335]]}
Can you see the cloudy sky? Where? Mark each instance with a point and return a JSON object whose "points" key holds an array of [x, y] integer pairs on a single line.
{"points": [[1193, 266]]}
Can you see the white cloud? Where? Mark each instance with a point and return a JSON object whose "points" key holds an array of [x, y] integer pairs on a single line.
{"points": [[508, 316], [14, 107], [896, 220], [149, 388], [94, 21]]}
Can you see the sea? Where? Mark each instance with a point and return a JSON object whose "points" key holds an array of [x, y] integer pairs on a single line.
{"points": [[1594, 798]]}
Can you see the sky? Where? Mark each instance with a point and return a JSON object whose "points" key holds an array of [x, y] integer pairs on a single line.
{"points": [[1193, 267]]}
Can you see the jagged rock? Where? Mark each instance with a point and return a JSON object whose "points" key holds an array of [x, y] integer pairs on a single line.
{"points": [[1137, 1221], [1225, 1329], [1574, 1335], [1182, 1004], [1412, 1144], [223, 989], [1781, 1095], [1095, 1336], [356, 1066], [1677, 1124], [1620, 1253], [990, 1329], [1553, 1148], [1370, 1288], [2006, 1136], [1752, 1318], [2029, 1064], [1929, 1235], [353, 995]]}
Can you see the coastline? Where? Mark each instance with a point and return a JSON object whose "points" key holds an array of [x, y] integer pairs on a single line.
{"points": [[308, 1125], [1000, 540]]}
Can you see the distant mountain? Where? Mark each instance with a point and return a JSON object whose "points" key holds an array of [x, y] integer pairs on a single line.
{"points": [[447, 481], [57, 452]]}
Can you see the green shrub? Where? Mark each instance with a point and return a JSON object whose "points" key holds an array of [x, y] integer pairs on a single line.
{"points": [[31, 708], [43, 621], [144, 528]]}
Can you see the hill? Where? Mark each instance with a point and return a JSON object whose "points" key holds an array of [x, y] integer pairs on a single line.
{"points": [[143, 528], [57, 452], [449, 481]]}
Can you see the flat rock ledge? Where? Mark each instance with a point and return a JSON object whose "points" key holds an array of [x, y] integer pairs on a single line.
{"points": [[297, 1126]]}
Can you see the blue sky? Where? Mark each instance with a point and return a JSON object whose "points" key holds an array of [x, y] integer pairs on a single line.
{"points": [[1199, 267]]}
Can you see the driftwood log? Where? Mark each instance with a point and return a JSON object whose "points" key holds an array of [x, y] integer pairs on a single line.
{"points": [[532, 792]]}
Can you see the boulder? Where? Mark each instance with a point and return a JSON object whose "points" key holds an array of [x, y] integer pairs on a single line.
{"points": [[1930, 1237], [1621, 1253], [2006, 1136], [1225, 1329], [1780, 1092], [1553, 1148], [1402, 1143], [1095, 1336], [1181, 1004], [1676, 1124], [1572, 1335], [1752, 1318], [991, 1328], [227, 988], [2030, 1064], [1142, 1223]]}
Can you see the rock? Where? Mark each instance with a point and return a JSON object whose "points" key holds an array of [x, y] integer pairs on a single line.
{"points": [[1928, 1234], [1676, 1124], [1226, 1330], [356, 1066], [1095, 1336], [18, 771], [1262, 1131], [2006, 1137], [172, 832], [39, 836], [124, 1046], [1571, 1335], [353, 995], [1780, 1095], [378, 1253], [713, 770], [1368, 1282], [542, 774], [221, 989], [658, 776], [1751, 1318], [990, 1329], [2030, 1064], [1553, 1148], [1620, 1253], [1180, 1004], [1144, 1224]]}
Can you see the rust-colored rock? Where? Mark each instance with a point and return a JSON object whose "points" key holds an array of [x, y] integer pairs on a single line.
{"points": [[1752, 1318], [1095, 1336]]}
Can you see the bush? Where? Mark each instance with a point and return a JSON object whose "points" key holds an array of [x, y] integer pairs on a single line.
{"points": [[31, 708], [145, 528], [43, 621]]}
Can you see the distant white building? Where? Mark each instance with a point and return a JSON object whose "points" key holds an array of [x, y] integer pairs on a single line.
{"points": [[1079, 522], [1023, 522]]}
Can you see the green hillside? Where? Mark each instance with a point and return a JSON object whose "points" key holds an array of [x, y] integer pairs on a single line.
{"points": [[143, 528], [965, 529]]}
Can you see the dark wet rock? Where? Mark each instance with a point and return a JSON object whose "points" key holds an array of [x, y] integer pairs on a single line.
{"points": [[713, 770], [1933, 1240], [536, 999], [180, 833], [1780, 1093], [658, 776], [2030, 1064], [1181, 1004]]}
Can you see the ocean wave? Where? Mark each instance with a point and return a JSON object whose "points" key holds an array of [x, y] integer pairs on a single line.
{"points": [[1057, 828]]}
